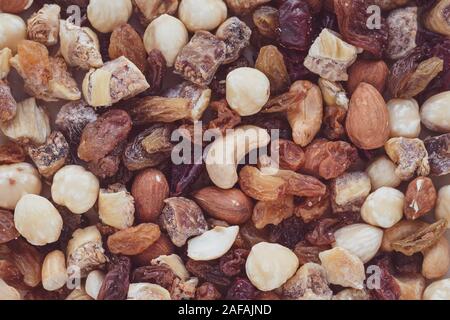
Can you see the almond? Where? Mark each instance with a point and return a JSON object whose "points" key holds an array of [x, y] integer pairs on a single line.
{"points": [[150, 189], [367, 121], [231, 206], [371, 72]]}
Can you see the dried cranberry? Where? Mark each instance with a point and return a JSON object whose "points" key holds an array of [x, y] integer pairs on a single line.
{"points": [[241, 289], [295, 26], [288, 233]]}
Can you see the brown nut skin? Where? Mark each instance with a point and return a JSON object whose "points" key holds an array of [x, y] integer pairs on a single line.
{"points": [[367, 121], [231, 206], [150, 188], [399, 231], [420, 198], [368, 71], [162, 246]]}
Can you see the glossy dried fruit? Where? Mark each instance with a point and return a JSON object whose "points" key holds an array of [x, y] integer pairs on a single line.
{"points": [[352, 17], [273, 212], [388, 288], [199, 60], [333, 125], [207, 291], [420, 198], [156, 64], [322, 232], [291, 155], [11, 153], [437, 18], [236, 35], [307, 253], [312, 208], [422, 239], [226, 117], [266, 20], [10, 273], [8, 105], [163, 246], [7, 230], [125, 41], [295, 25], [133, 241], [153, 109], [329, 159], [243, 7], [241, 289], [407, 264], [232, 263], [288, 233], [28, 260], [270, 61], [117, 280], [438, 154], [160, 275], [208, 271]]}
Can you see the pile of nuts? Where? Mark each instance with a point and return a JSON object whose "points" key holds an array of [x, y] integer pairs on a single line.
{"points": [[94, 204]]}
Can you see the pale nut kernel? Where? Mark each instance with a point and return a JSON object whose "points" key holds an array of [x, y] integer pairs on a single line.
{"points": [[147, 291], [94, 282], [383, 208], [116, 207], [436, 260], [247, 90], [37, 220], [212, 244], [435, 114], [270, 265], [5, 66], [411, 286], [174, 263], [7, 292], [79, 294], [54, 271], [382, 173], [202, 14], [404, 118], [17, 180], [438, 290], [442, 210], [349, 191], [75, 188], [360, 239], [12, 30], [168, 35], [343, 268], [106, 15], [352, 294]]}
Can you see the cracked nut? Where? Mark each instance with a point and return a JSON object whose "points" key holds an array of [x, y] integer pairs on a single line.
{"points": [[37, 220], [383, 207], [270, 265], [420, 198], [202, 14], [212, 244], [154, 8], [116, 207], [349, 191], [43, 26], [404, 118]]}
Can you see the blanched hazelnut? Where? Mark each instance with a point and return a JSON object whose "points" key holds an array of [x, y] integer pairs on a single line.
{"points": [[438, 290], [17, 180], [202, 14], [54, 272], [75, 188], [383, 208], [270, 265], [7, 292], [94, 282], [5, 66], [147, 291], [212, 244], [382, 173], [442, 210], [435, 113], [43, 26], [37, 220], [168, 35], [106, 15], [13, 30], [247, 90], [116, 207], [436, 260], [404, 118]]}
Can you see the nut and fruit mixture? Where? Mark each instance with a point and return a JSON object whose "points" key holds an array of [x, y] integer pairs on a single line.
{"points": [[96, 95]]}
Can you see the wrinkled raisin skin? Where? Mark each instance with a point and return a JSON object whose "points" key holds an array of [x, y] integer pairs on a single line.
{"points": [[241, 289], [295, 25], [7, 230], [117, 280], [233, 262], [208, 271], [159, 275]]}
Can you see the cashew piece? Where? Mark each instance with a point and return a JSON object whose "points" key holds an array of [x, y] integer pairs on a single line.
{"points": [[226, 151]]}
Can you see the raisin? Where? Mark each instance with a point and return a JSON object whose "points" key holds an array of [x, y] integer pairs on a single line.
{"points": [[241, 289], [10, 273], [307, 253], [133, 241], [117, 280], [407, 264], [159, 275], [288, 233], [322, 232], [266, 20], [207, 291], [226, 117], [271, 62], [183, 175], [7, 230], [291, 155], [334, 122], [156, 71], [233, 262], [295, 25], [208, 271], [28, 260]]}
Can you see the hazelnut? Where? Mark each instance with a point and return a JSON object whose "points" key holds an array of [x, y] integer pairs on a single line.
{"points": [[116, 207], [105, 15], [13, 30], [382, 173], [443, 204], [94, 282], [247, 90], [212, 244], [270, 265], [37, 220], [404, 118], [54, 272], [438, 290], [5, 66], [17, 180], [75, 188], [147, 291], [168, 35], [202, 14], [435, 114], [384, 207]]}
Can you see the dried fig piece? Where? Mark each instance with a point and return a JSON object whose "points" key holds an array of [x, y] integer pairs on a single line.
{"points": [[182, 218], [422, 239], [236, 35], [199, 60], [62, 85], [438, 154], [329, 159], [51, 156], [159, 109], [133, 241], [11, 152], [291, 155], [273, 212], [125, 41], [410, 156], [403, 26], [7, 230], [156, 69], [266, 20], [8, 105], [352, 17], [101, 137], [420, 198], [108, 166], [271, 62]]}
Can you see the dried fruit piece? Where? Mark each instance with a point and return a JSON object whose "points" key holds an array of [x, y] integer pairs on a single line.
{"points": [[133, 241], [160, 109], [8, 105], [437, 18], [388, 288], [329, 159], [51, 156], [43, 25], [410, 155], [62, 85], [199, 60], [236, 35], [160, 275], [207, 291], [116, 282], [7, 230], [156, 65], [241, 289], [162, 246], [28, 260], [402, 27], [330, 56], [182, 218], [291, 156], [11, 153], [422, 239], [295, 25], [273, 212], [309, 283], [420, 198], [306, 253], [334, 122], [399, 231], [208, 271], [266, 19], [312, 208], [349, 191], [271, 62], [438, 154]]}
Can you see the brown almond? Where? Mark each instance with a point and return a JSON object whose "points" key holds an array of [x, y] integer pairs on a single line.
{"points": [[231, 206], [368, 71], [162, 246], [14, 6], [133, 241], [367, 121], [149, 189]]}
